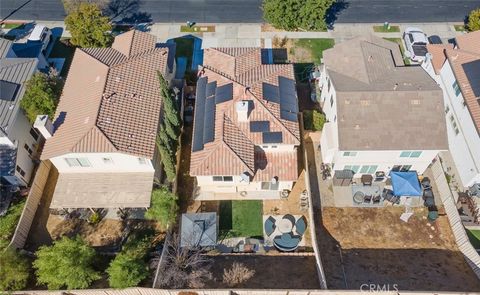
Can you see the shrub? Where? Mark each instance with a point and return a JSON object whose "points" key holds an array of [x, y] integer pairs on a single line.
{"points": [[163, 208], [237, 274], [474, 20], [95, 218], [8, 223], [313, 120], [14, 270], [68, 262], [126, 270]]}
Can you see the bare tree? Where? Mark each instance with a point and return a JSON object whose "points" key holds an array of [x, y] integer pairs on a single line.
{"points": [[184, 267], [237, 274]]}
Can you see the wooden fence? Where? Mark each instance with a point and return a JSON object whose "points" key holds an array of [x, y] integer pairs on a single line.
{"points": [[33, 200], [448, 200]]}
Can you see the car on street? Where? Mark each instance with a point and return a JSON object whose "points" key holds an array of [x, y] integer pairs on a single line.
{"points": [[416, 44]]}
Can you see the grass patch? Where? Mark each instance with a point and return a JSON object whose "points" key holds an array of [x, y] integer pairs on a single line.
{"points": [[241, 218], [459, 28], [8, 223], [313, 120], [197, 29], [474, 237], [316, 47], [184, 49], [383, 29], [13, 25], [402, 49], [63, 49]]}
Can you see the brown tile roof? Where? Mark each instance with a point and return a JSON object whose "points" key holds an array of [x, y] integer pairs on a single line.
{"points": [[233, 150], [111, 100], [438, 55], [465, 63]]}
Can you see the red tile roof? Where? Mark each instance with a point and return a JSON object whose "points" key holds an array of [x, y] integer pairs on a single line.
{"points": [[111, 99], [233, 150]]}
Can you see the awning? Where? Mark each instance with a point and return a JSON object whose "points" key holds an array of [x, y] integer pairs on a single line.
{"points": [[406, 184]]}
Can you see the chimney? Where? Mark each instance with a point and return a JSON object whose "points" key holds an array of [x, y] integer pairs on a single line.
{"points": [[242, 108], [44, 125]]}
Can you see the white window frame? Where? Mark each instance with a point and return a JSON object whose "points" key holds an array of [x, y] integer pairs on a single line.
{"points": [[78, 162]]}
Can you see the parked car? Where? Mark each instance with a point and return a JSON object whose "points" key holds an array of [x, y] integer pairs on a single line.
{"points": [[416, 44], [40, 34], [434, 39]]}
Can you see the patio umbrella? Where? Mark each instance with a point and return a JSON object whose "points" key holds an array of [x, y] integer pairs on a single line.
{"points": [[406, 184]]}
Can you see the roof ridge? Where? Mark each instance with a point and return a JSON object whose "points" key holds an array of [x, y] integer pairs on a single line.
{"points": [[97, 129], [228, 145], [100, 61]]}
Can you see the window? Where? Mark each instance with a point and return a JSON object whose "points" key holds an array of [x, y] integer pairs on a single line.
{"points": [[21, 171], [447, 109], [349, 154], [34, 133], [353, 168], [77, 162], [28, 149], [405, 154], [454, 125], [456, 88], [265, 146], [410, 37], [270, 185], [329, 84], [331, 100], [223, 178], [335, 119], [107, 160], [413, 154], [274, 146]]}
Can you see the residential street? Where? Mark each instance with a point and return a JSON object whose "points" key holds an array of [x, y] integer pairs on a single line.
{"points": [[248, 11]]}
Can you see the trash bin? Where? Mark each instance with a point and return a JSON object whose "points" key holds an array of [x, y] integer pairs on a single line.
{"points": [[432, 213]]}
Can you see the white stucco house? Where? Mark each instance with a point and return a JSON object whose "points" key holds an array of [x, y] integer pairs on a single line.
{"points": [[382, 115], [246, 130], [102, 139], [19, 142], [456, 68]]}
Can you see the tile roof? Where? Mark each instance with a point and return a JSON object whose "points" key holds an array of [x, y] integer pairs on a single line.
{"points": [[234, 148], [381, 103], [111, 99], [438, 55]]}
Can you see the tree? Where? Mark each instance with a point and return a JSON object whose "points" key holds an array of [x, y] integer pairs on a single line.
{"points": [[237, 274], [474, 20], [167, 157], [183, 266], [14, 270], [170, 109], [163, 208], [296, 14], [126, 270], [88, 27], [41, 95], [68, 262]]}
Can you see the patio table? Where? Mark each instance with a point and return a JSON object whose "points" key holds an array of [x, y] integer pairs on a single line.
{"points": [[285, 225]]}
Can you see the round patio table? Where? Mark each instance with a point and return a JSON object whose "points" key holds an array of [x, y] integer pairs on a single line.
{"points": [[285, 225]]}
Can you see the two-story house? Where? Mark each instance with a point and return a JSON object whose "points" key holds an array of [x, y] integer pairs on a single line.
{"points": [[456, 68], [246, 130], [102, 141], [382, 115]]}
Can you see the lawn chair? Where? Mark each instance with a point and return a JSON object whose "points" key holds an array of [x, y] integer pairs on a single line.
{"points": [[376, 199], [301, 225], [367, 199], [270, 226], [366, 179]]}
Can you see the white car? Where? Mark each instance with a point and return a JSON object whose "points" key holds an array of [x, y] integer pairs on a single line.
{"points": [[416, 44], [41, 34]]}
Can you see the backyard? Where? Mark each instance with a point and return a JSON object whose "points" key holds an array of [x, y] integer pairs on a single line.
{"points": [[474, 237], [241, 218]]}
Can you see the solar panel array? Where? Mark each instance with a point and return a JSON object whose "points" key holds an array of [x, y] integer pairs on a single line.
{"points": [[8, 90], [472, 71], [209, 120], [272, 137], [199, 122], [224, 93], [288, 99], [259, 126], [271, 93]]}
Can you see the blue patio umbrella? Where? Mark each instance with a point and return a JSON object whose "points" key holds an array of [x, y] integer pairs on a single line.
{"points": [[406, 184]]}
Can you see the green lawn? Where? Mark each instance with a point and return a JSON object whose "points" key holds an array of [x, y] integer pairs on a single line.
{"points": [[241, 218], [402, 49], [316, 47], [8, 223], [459, 28], [474, 237], [197, 29], [12, 25], [382, 29]]}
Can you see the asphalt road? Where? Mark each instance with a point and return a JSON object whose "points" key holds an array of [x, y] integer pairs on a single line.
{"points": [[248, 11]]}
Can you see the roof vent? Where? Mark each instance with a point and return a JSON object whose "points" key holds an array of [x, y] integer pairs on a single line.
{"points": [[245, 177], [395, 86], [370, 58], [357, 127]]}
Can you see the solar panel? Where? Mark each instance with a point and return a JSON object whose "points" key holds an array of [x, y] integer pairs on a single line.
{"points": [[224, 93], [270, 92], [272, 137], [211, 87], [198, 121], [209, 121], [288, 95], [472, 71], [8, 90], [259, 126], [289, 116]]}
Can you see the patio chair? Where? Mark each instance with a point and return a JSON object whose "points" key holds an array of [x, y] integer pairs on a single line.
{"points": [[270, 226], [289, 217], [379, 176], [376, 199], [387, 195], [367, 199], [366, 179], [301, 225]]}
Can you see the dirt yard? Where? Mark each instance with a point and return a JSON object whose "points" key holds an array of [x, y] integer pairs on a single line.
{"points": [[372, 245], [271, 272]]}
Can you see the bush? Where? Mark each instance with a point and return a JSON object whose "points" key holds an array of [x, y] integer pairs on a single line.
{"points": [[68, 262], [41, 95], [474, 20], [8, 223], [126, 271], [237, 274], [313, 120], [95, 218], [163, 208], [88, 27], [14, 271]]}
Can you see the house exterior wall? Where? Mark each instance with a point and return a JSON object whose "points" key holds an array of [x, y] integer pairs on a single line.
{"points": [[463, 138], [103, 163]]}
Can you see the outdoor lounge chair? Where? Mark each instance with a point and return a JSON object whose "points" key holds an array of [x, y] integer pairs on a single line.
{"points": [[366, 179], [289, 217], [367, 199], [301, 225], [376, 199], [286, 242], [270, 226]]}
